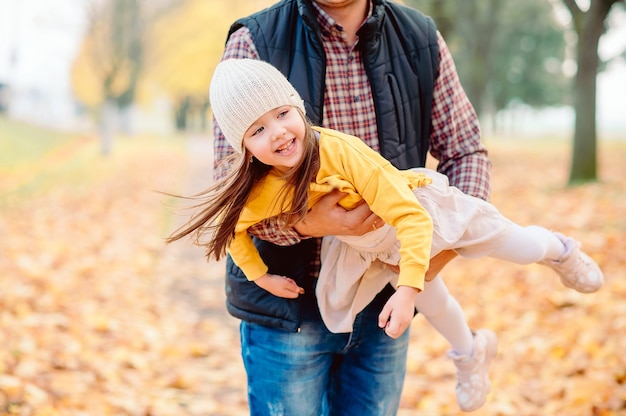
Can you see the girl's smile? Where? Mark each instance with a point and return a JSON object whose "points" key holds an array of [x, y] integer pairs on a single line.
{"points": [[287, 147]]}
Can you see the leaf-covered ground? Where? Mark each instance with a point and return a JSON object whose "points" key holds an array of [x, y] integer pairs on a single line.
{"points": [[99, 317]]}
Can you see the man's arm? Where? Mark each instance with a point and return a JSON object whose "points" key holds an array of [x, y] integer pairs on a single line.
{"points": [[455, 138], [455, 142]]}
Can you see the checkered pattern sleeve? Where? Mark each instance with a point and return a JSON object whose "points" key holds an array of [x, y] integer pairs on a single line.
{"points": [[240, 45], [455, 138]]}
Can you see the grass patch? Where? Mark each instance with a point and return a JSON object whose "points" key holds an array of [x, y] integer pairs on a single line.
{"points": [[35, 161], [23, 143]]}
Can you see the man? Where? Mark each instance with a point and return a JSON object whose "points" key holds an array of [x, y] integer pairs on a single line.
{"points": [[379, 71]]}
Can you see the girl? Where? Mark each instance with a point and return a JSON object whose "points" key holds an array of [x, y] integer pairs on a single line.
{"points": [[284, 165]]}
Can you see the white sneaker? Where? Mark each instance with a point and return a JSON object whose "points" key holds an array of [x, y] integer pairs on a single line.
{"points": [[472, 372], [576, 269]]}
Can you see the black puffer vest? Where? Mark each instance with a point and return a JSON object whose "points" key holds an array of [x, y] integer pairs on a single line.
{"points": [[400, 54]]}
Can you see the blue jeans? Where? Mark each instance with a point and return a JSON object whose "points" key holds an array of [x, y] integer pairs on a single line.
{"points": [[315, 372]]}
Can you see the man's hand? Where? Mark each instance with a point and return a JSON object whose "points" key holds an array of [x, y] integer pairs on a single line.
{"points": [[280, 286], [327, 217], [398, 312], [437, 264]]}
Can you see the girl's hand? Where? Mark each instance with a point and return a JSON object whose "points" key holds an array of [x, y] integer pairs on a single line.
{"points": [[280, 286], [398, 312]]}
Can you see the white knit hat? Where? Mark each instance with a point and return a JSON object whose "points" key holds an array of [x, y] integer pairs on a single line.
{"points": [[242, 90]]}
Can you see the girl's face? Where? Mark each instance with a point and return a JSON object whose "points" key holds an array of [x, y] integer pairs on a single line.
{"points": [[277, 138]]}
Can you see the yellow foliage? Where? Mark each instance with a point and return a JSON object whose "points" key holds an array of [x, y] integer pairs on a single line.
{"points": [[85, 78], [101, 70], [100, 317], [188, 43], [182, 48]]}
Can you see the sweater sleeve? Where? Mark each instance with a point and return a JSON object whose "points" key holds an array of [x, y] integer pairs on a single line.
{"points": [[392, 199], [390, 195], [259, 206], [246, 256]]}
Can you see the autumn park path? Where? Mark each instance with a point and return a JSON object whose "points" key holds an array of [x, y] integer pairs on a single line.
{"points": [[199, 285], [212, 380], [99, 317]]}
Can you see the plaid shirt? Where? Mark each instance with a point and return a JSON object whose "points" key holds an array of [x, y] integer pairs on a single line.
{"points": [[349, 107]]}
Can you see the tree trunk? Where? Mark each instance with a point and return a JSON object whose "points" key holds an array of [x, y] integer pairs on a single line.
{"points": [[584, 157], [589, 27], [182, 113], [108, 116]]}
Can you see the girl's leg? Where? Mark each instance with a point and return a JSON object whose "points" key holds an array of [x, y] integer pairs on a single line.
{"points": [[530, 244], [471, 352], [444, 313], [562, 254]]}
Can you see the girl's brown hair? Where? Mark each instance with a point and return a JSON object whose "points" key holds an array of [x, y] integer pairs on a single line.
{"points": [[220, 205]]}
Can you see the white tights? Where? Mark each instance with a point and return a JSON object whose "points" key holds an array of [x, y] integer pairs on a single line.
{"points": [[525, 245]]}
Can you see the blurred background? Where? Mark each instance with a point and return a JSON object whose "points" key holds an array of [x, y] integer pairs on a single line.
{"points": [[104, 107], [147, 64]]}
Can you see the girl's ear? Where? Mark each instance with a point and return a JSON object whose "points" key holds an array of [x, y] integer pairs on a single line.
{"points": [[247, 155]]}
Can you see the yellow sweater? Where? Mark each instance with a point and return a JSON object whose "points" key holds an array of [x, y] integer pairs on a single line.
{"points": [[348, 164]]}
